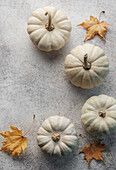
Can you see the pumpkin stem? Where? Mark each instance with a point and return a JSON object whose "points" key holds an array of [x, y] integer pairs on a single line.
{"points": [[102, 113], [86, 65], [102, 12], [49, 26], [55, 137]]}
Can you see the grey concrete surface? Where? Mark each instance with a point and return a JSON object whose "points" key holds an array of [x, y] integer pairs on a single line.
{"points": [[32, 81]]}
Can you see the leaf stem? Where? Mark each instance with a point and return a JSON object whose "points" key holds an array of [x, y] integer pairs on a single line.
{"points": [[83, 136], [102, 12], [30, 126]]}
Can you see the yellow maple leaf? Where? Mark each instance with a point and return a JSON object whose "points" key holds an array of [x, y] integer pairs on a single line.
{"points": [[93, 151], [15, 141], [94, 27]]}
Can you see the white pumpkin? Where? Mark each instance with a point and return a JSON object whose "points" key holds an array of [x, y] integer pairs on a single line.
{"points": [[57, 136], [49, 28], [86, 66], [99, 115]]}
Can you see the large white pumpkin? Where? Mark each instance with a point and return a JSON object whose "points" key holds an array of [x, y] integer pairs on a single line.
{"points": [[86, 66], [99, 115], [57, 136], [49, 28]]}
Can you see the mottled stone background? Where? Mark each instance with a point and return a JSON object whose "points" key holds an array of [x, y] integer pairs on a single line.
{"points": [[32, 81]]}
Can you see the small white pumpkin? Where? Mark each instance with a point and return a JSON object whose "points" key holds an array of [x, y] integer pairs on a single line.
{"points": [[49, 28], [99, 115], [57, 136], [86, 66]]}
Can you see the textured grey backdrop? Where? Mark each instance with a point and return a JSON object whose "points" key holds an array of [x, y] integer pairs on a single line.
{"points": [[32, 81]]}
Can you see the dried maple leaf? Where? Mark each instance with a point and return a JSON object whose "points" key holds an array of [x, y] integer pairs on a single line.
{"points": [[15, 141], [93, 151], [94, 27]]}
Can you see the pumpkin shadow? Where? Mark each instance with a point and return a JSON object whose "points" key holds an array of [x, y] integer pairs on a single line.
{"points": [[109, 140], [87, 93], [62, 162], [52, 55]]}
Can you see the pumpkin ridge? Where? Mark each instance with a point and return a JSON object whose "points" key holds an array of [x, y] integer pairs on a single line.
{"points": [[61, 19], [31, 28], [72, 142], [112, 118], [75, 77], [86, 74], [111, 128], [56, 24], [104, 56], [45, 131], [92, 52], [57, 153], [61, 38], [55, 14], [66, 127], [36, 31], [71, 67], [37, 15], [112, 114], [64, 36], [98, 76], [41, 144], [109, 105], [101, 75], [68, 145], [51, 126], [43, 37], [100, 56], [49, 149], [93, 79], [35, 22], [87, 124], [75, 58], [93, 124], [74, 74], [64, 148], [49, 131], [59, 25], [102, 132], [61, 35]]}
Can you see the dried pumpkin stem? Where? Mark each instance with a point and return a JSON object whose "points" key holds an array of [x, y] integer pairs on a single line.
{"points": [[102, 113], [55, 137], [86, 65], [49, 26], [102, 12]]}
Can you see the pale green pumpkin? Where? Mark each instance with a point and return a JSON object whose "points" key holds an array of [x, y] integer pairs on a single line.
{"points": [[57, 136], [99, 115]]}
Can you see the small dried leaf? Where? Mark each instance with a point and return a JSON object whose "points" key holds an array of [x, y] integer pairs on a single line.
{"points": [[15, 141], [94, 27], [93, 151]]}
